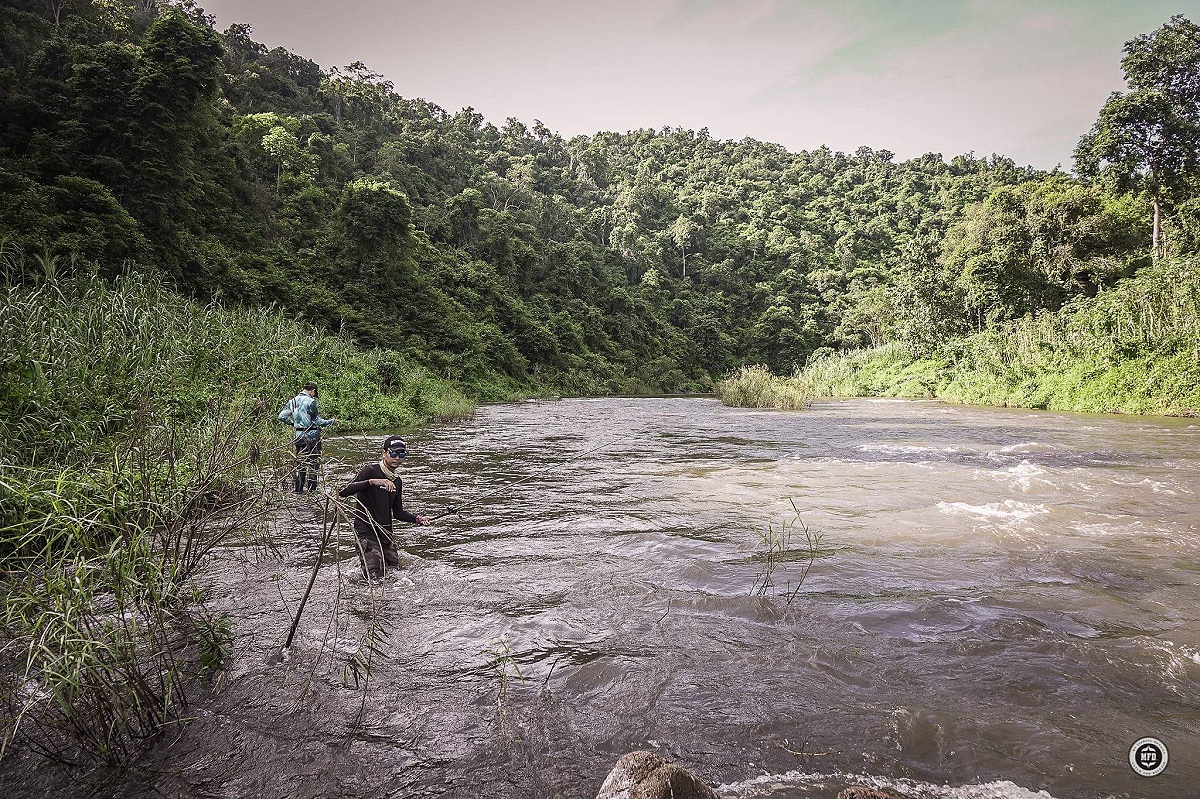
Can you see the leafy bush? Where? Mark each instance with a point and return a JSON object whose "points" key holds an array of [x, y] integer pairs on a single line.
{"points": [[755, 387], [1132, 349]]}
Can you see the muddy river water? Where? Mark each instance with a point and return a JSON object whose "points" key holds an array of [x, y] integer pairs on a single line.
{"points": [[1001, 603]]}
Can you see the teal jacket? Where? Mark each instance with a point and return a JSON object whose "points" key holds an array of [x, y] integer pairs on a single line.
{"points": [[304, 417]]}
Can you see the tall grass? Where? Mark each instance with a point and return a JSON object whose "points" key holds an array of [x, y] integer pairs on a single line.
{"points": [[755, 387], [887, 370], [138, 432], [1134, 348]]}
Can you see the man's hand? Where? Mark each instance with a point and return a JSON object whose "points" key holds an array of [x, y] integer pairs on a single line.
{"points": [[383, 483], [423, 520]]}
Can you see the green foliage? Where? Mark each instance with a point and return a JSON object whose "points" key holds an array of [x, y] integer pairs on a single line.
{"points": [[195, 224], [1148, 138], [510, 259], [503, 258], [1029, 248], [93, 354], [1132, 349], [137, 432], [888, 370], [755, 387]]}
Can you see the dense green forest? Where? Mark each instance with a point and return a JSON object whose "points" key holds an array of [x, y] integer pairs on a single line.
{"points": [[510, 258]]}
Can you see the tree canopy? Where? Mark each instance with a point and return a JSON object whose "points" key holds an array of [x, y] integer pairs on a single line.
{"points": [[1148, 138]]}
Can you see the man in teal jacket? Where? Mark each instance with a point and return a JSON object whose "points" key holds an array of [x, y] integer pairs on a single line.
{"points": [[301, 412]]}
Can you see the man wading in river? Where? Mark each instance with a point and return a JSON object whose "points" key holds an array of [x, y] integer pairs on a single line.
{"points": [[301, 413], [379, 492]]}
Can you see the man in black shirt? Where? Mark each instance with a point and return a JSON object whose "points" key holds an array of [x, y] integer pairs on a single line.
{"points": [[379, 492]]}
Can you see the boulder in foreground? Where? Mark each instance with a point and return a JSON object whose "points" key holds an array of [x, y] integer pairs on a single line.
{"points": [[645, 775]]}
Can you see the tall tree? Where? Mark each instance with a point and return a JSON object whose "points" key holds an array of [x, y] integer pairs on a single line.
{"points": [[681, 232], [1149, 137]]}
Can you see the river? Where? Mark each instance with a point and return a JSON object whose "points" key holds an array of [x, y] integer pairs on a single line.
{"points": [[1001, 602]]}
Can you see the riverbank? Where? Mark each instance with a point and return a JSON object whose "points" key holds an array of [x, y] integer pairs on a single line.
{"points": [[1132, 349], [138, 432]]}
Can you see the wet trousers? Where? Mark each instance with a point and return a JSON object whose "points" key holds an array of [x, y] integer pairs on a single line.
{"points": [[377, 557], [308, 455]]}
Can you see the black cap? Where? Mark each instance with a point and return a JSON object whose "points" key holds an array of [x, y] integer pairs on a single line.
{"points": [[309, 386], [395, 442]]}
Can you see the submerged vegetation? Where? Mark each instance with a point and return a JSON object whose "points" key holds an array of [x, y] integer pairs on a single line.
{"points": [[779, 544]]}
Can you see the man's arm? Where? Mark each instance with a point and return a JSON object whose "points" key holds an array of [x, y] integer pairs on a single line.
{"points": [[400, 513], [317, 419]]}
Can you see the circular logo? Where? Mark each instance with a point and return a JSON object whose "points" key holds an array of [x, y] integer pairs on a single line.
{"points": [[1148, 757]]}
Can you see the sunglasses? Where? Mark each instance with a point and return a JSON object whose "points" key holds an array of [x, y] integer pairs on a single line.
{"points": [[395, 453]]}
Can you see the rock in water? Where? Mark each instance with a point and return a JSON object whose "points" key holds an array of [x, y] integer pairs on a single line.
{"points": [[645, 775], [861, 792]]}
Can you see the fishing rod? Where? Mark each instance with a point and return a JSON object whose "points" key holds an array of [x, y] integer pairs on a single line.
{"points": [[454, 510]]}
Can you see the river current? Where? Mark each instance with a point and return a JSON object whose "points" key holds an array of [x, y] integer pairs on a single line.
{"points": [[1000, 603]]}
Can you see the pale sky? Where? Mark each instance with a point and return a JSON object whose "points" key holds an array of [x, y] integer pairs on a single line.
{"points": [[1016, 77]]}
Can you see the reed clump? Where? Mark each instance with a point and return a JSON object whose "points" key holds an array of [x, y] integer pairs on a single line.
{"points": [[756, 387]]}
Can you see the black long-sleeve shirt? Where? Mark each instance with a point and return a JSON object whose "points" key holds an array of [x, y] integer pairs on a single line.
{"points": [[376, 505]]}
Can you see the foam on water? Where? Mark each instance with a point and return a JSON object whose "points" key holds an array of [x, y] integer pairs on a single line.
{"points": [[1177, 662], [1154, 485], [1010, 510], [770, 785], [908, 449], [1023, 618], [1097, 529], [1025, 475], [1023, 447]]}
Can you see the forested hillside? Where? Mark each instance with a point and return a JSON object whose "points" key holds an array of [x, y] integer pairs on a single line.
{"points": [[502, 256]]}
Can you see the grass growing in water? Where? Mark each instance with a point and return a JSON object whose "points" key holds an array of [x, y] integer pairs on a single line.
{"points": [[502, 663], [777, 546], [755, 387], [137, 433]]}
